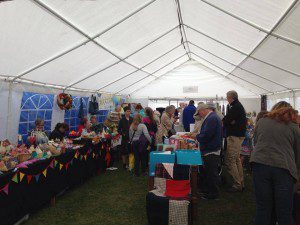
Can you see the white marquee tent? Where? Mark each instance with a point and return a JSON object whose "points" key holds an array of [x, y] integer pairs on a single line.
{"points": [[150, 49]]}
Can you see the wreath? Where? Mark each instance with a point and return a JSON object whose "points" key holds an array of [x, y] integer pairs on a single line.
{"points": [[64, 101]]}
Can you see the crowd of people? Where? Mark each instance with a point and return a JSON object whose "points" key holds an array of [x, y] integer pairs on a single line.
{"points": [[269, 148]]}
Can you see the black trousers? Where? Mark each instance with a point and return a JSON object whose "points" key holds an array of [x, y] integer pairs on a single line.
{"points": [[140, 157], [211, 177], [273, 191]]}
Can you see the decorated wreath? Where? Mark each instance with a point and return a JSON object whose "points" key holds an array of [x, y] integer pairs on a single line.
{"points": [[64, 101]]}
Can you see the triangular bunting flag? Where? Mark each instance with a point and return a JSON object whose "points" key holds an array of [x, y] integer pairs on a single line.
{"points": [[15, 178], [81, 157], [37, 177], [52, 164], [21, 176], [5, 189], [60, 166], [85, 157], [76, 155], [55, 163], [45, 172], [93, 155], [29, 177], [67, 165]]}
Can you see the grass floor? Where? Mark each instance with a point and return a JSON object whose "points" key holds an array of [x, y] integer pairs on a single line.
{"points": [[118, 198]]}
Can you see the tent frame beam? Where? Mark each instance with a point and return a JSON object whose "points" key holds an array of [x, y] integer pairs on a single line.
{"points": [[251, 24], [152, 73], [58, 16], [82, 43], [158, 77], [115, 63], [141, 67], [237, 66], [241, 52], [230, 72], [205, 67], [268, 34], [182, 29]]}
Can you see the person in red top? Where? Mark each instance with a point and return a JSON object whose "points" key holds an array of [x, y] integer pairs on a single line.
{"points": [[84, 125]]}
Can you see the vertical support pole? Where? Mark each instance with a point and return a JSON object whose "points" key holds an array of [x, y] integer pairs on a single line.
{"points": [[263, 103], [194, 187], [294, 99], [9, 115]]}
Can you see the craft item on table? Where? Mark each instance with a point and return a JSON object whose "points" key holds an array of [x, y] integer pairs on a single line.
{"points": [[3, 166], [5, 147], [169, 148], [64, 101], [10, 162], [160, 147], [74, 134]]}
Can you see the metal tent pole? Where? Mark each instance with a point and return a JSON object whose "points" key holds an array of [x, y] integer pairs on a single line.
{"points": [[241, 52], [251, 24], [83, 43]]}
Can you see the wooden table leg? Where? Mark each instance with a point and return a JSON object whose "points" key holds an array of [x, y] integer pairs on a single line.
{"points": [[194, 190], [53, 201], [151, 183]]}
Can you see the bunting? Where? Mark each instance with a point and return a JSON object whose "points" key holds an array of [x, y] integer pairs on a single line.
{"points": [[21, 176], [60, 166], [5, 189], [29, 177], [45, 172], [15, 178], [37, 177]]}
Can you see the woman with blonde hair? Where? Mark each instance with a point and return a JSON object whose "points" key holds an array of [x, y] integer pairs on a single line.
{"points": [[276, 164], [140, 140], [167, 121]]}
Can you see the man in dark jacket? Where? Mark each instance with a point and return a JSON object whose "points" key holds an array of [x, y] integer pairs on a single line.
{"points": [[235, 125], [188, 116], [123, 129], [210, 141]]}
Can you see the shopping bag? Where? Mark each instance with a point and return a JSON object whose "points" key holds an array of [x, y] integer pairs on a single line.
{"points": [[131, 161]]}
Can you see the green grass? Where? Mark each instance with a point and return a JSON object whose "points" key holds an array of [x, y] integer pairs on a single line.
{"points": [[118, 198]]}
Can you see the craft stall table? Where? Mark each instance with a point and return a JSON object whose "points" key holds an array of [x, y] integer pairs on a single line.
{"points": [[28, 188]]}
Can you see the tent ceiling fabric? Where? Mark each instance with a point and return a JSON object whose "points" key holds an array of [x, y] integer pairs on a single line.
{"points": [[145, 48]]}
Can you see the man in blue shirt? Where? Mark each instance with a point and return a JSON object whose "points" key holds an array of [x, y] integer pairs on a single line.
{"points": [[210, 141], [188, 115]]}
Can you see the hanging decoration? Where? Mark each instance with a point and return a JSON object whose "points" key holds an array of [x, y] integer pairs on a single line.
{"points": [[64, 101]]}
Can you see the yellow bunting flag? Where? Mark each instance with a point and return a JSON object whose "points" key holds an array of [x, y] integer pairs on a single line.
{"points": [[85, 157], [76, 155], [21, 176], [94, 155], [45, 172], [60, 166]]}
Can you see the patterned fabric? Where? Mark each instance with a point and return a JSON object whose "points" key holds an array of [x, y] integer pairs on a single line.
{"points": [[179, 212], [161, 172], [160, 185]]}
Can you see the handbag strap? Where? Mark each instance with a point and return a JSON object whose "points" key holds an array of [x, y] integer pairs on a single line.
{"points": [[132, 136]]}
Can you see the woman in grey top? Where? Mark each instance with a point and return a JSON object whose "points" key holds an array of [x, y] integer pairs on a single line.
{"points": [[276, 164], [140, 140]]}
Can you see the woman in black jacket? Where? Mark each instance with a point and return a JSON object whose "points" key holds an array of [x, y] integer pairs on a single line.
{"points": [[123, 129], [59, 132]]}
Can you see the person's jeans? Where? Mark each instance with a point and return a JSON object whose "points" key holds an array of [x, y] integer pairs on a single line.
{"points": [[273, 190], [140, 157], [233, 161], [211, 175]]}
